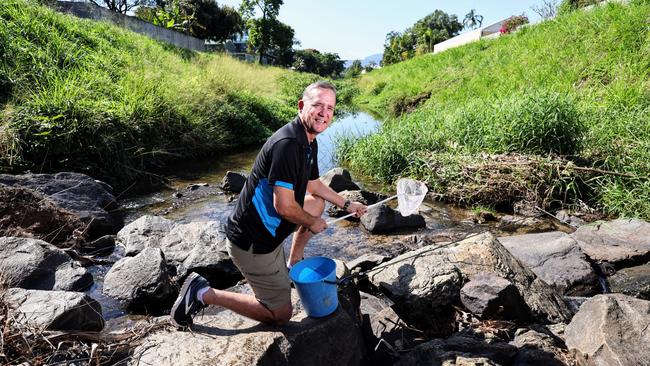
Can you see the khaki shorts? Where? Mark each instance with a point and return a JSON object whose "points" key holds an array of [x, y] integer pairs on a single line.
{"points": [[266, 273]]}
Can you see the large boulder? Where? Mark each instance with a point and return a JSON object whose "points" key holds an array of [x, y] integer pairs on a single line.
{"points": [[35, 264], [339, 179], [91, 200], [194, 247], [620, 242], [556, 258], [491, 297], [611, 329], [425, 283], [633, 281], [145, 232], [383, 219], [222, 337], [540, 347], [54, 310], [141, 282]]}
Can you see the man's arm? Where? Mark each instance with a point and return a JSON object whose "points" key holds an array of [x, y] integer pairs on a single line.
{"points": [[318, 188], [286, 206]]}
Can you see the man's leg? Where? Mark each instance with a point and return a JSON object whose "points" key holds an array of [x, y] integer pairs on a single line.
{"points": [[314, 205], [248, 306]]}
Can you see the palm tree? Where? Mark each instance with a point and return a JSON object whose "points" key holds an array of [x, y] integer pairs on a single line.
{"points": [[472, 20]]}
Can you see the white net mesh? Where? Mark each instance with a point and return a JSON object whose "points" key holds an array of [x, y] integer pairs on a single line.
{"points": [[410, 194]]}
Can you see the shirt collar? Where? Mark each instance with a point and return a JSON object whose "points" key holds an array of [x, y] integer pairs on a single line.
{"points": [[299, 130]]}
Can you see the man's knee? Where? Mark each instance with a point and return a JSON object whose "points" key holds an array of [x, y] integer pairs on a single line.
{"points": [[283, 314]]}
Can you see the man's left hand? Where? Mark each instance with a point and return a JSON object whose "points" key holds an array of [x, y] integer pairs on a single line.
{"points": [[358, 209]]}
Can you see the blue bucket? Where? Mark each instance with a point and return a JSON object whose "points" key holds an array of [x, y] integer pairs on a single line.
{"points": [[315, 280]]}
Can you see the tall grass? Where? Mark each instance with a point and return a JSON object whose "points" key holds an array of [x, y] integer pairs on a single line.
{"points": [[91, 97], [577, 86]]}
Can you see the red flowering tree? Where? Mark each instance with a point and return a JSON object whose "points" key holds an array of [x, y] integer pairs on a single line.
{"points": [[512, 23]]}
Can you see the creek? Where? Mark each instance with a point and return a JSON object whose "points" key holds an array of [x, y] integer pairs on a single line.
{"points": [[344, 240]]}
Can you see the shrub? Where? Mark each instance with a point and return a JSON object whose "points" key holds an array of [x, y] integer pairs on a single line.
{"points": [[511, 24]]}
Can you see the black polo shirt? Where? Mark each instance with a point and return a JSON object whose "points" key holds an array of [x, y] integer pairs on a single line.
{"points": [[288, 160]]}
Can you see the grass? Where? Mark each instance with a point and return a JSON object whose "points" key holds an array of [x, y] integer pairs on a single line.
{"points": [[92, 97], [569, 92]]}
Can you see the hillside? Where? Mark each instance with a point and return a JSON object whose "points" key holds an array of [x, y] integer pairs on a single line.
{"points": [[91, 97], [569, 92]]}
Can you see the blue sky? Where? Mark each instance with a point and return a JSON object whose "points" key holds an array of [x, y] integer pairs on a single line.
{"points": [[357, 28]]}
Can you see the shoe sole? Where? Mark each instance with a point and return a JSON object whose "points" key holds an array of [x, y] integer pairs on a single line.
{"points": [[180, 298]]}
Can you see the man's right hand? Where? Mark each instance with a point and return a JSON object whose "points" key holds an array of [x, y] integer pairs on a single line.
{"points": [[318, 225]]}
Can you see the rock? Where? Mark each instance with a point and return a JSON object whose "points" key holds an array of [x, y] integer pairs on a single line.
{"points": [[193, 247], [383, 219], [565, 217], [390, 336], [460, 350], [365, 197], [177, 195], [200, 247], [101, 246], [27, 213], [226, 338], [91, 200], [141, 283], [557, 259], [145, 232], [35, 264], [366, 262], [540, 347], [425, 282], [491, 297], [526, 209], [611, 329], [524, 224], [233, 182], [195, 186], [54, 310], [633, 281], [620, 242], [575, 302], [339, 179]]}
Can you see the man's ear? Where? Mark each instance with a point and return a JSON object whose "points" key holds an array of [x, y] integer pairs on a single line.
{"points": [[301, 104]]}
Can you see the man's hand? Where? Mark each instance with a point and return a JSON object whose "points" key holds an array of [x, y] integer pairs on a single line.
{"points": [[357, 208], [318, 226]]}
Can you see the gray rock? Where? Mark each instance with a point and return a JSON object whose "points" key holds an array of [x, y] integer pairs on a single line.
{"points": [[365, 197], [339, 179], [367, 261], [568, 219], [54, 310], [233, 182], [541, 347], [633, 281], [522, 224], [383, 219], [390, 336], [145, 232], [425, 282], [491, 297], [140, 282], [226, 338], [35, 264], [89, 199], [620, 242], [460, 350], [101, 246], [611, 329], [557, 259]]}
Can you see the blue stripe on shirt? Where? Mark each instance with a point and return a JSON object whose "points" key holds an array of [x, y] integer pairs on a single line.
{"points": [[284, 184], [263, 202]]}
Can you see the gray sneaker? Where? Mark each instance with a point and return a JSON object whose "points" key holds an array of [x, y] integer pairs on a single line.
{"points": [[186, 305]]}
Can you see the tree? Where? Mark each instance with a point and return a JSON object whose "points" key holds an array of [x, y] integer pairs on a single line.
{"points": [[121, 6], [472, 20], [200, 18], [271, 39], [548, 9], [262, 30], [323, 64], [421, 37], [354, 70]]}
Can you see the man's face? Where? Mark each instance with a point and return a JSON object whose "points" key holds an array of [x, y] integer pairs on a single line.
{"points": [[317, 110]]}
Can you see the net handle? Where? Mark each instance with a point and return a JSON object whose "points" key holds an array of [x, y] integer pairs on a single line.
{"points": [[330, 222]]}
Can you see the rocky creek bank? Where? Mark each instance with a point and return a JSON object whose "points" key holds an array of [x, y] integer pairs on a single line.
{"points": [[541, 298]]}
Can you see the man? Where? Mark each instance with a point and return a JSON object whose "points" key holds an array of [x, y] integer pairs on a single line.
{"points": [[270, 207]]}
